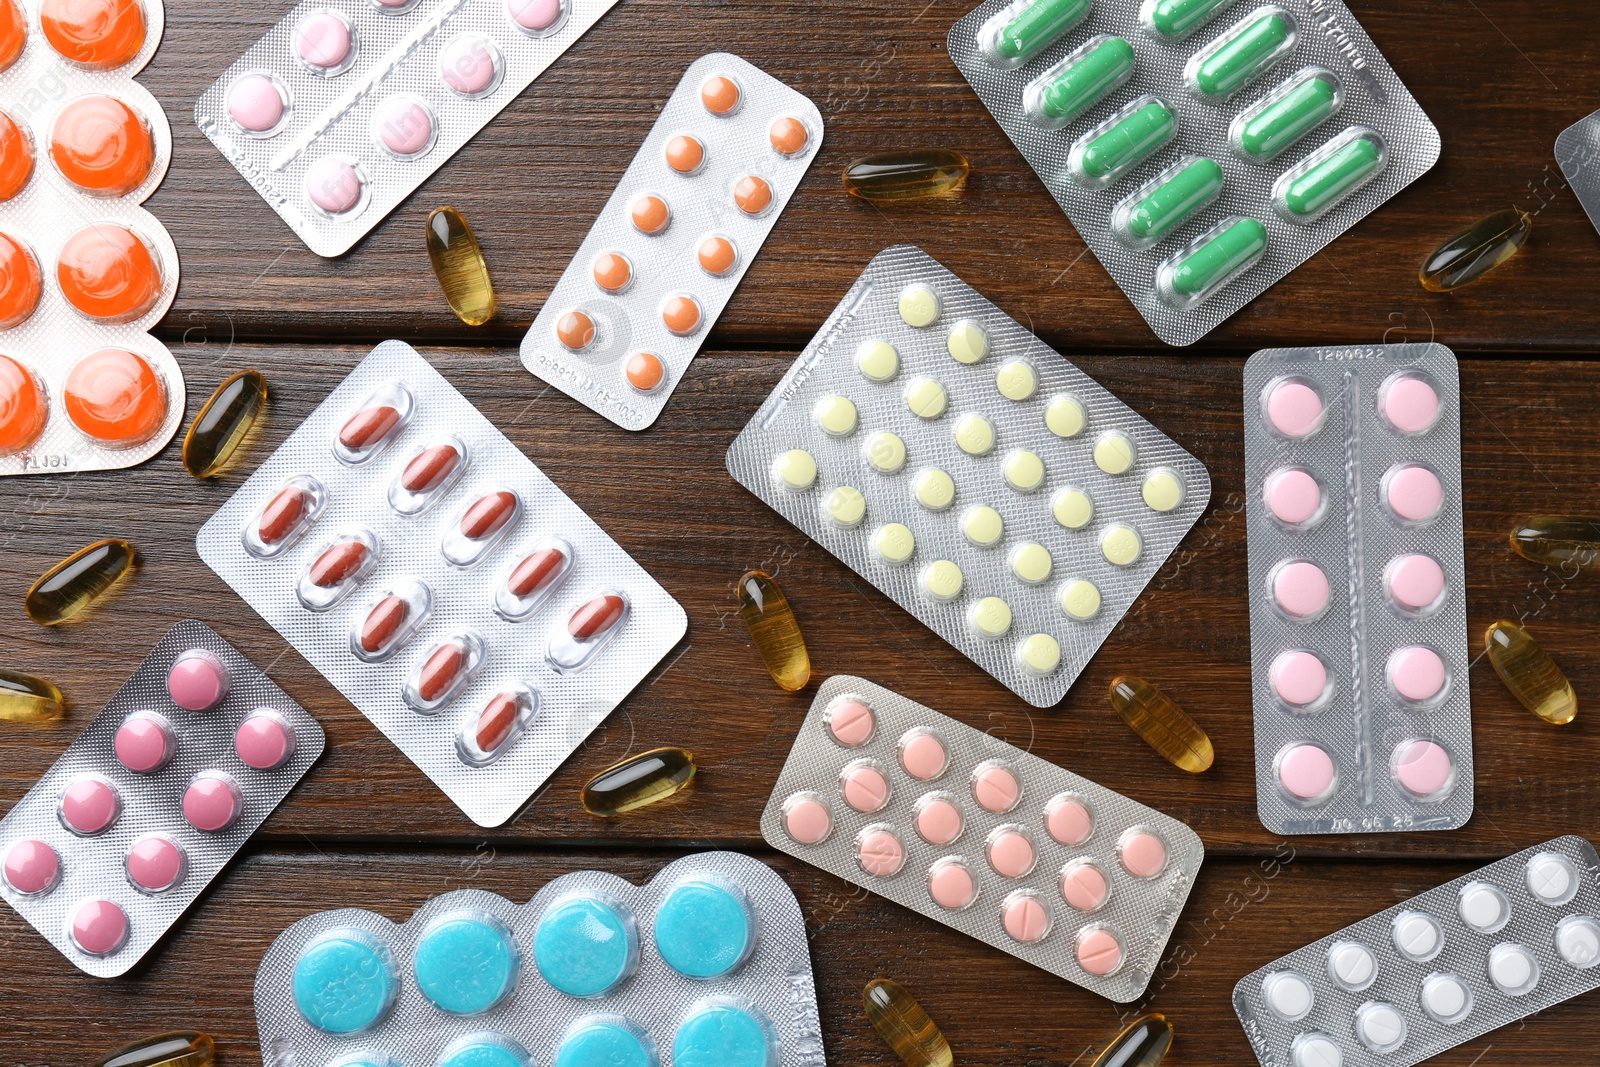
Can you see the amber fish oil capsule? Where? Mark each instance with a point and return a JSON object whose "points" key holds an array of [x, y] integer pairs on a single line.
{"points": [[223, 423], [1143, 1043], [1557, 540], [458, 263], [774, 630], [1476, 251], [903, 1023], [1530, 673], [915, 172], [638, 781], [78, 581], [1165, 726], [28, 698], [181, 1048]]}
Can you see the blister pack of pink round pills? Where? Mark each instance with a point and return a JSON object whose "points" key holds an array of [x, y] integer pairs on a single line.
{"points": [[153, 799], [1358, 629]]}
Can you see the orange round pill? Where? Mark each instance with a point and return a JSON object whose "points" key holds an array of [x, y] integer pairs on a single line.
{"points": [[752, 195], [20, 283], [685, 154], [94, 34], [102, 146], [720, 94], [649, 214], [612, 271], [788, 135], [16, 157], [13, 32], [681, 314], [644, 371], [107, 272], [114, 396], [716, 255], [575, 330], [22, 407]]}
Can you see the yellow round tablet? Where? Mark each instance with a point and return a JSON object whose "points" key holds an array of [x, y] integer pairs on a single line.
{"points": [[1030, 562], [1121, 545], [836, 415], [974, 435], [991, 616], [886, 452], [1040, 653], [893, 542], [982, 526], [941, 580], [1024, 470], [968, 341], [1080, 599], [795, 470], [877, 360], [926, 398], [1073, 508], [1163, 489], [1017, 380], [919, 305], [1113, 452], [935, 489], [1065, 415], [846, 507]]}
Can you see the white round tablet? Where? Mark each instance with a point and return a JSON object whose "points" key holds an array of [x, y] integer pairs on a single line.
{"points": [[1352, 965], [1513, 969], [1578, 940], [1416, 936], [1288, 994], [1484, 907], [1551, 878], [1380, 1027], [1316, 1050], [1446, 998]]}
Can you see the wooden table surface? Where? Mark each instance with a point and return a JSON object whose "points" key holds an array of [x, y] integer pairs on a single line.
{"points": [[1500, 78]]}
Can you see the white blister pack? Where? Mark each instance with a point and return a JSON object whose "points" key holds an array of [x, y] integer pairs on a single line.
{"points": [[633, 307], [1358, 622], [442, 583], [1202, 148], [1435, 971], [964, 468], [346, 106], [1578, 155], [706, 965], [960, 826], [122, 834]]}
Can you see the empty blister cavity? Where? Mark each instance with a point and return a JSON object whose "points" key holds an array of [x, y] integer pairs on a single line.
{"points": [[390, 619], [1241, 54], [336, 569], [484, 523], [428, 475], [533, 579], [284, 518], [443, 671], [1167, 201], [486, 733], [1287, 114], [1114, 147], [1330, 175], [1085, 76]]}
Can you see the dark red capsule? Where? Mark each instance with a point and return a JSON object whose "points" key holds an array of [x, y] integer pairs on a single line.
{"points": [[337, 563], [596, 617], [368, 427], [383, 622], [441, 670], [282, 514], [535, 570], [488, 514], [430, 468], [495, 721]]}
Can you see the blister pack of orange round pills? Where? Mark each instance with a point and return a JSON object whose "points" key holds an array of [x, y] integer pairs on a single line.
{"points": [[84, 270]]}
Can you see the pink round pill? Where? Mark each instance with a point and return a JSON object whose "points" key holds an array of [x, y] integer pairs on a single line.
{"points": [[31, 866], [144, 742], [923, 756], [1422, 767], [851, 722], [1293, 408], [212, 802], [1099, 951], [1416, 673], [880, 853], [99, 927], [390, 6], [807, 819], [1300, 589], [1293, 495], [1298, 677], [866, 789], [1306, 771], [1415, 582], [996, 789], [951, 885], [155, 863], [1143, 854], [90, 806], [256, 102], [334, 185], [534, 15], [1084, 886], [264, 740], [1011, 853], [1410, 404], [1026, 918], [403, 125], [939, 821], [1068, 820], [1413, 493], [323, 41], [469, 64], [198, 680]]}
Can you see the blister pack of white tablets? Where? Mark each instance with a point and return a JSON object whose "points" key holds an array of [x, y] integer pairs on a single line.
{"points": [[346, 106], [1203, 148], [442, 583], [1358, 622], [967, 470], [706, 965], [1446, 966], [1578, 155], [109, 849], [960, 826], [633, 307]]}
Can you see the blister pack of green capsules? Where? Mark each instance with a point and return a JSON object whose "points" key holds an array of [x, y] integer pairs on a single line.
{"points": [[1203, 148]]}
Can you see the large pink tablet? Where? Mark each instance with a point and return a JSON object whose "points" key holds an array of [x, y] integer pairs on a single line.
{"points": [[1298, 677], [334, 185], [939, 821], [99, 927], [866, 788], [1413, 493], [851, 722], [951, 885], [996, 788], [31, 866], [1410, 404], [1026, 918], [1143, 854], [144, 742], [1293, 408], [1084, 886], [469, 64], [1011, 853], [256, 102], [807, 819], [1068, 820], [534, 15], [1293, 495], [212, 802], [198, 680], [89, 806], [1099, 951], [1416, 673], [923, 755], [322, 40], [155, 863], [265, 740], [1306, 771], [1415, 582], [1300, 588], [403, 125], [880, 853], [1423, 768]]}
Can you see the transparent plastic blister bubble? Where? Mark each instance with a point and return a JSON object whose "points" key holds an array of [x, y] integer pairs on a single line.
{"points": [[1435, 971], [1303, 127], [121, 835], [960, 826], [346, 106], [626, 318], [1578, 155], [1358, 630], [87, 271], [964, 468], [707, 963], [442, 583]]}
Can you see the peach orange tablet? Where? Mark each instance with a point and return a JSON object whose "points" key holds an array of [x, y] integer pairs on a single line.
{"points": [[94, 34], [109, 273], [13, 32], [19, 282], [102, 146], [114, 397], [23, 408], [16, 157]]}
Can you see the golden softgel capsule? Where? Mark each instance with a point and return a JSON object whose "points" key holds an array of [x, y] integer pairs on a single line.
{"points": [[26, 698], [1476, 251], [900, 1021], [1557, 540], [907, 174], [1143, 1044], [1164, 726], [181, 1048], [222, 424], [774, 630], [638, 780], [78, 581], [1530, 673], [458, 264]]}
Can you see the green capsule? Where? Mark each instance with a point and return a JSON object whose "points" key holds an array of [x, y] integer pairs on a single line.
{"points": [[1190, 188], [1296, 113], [1176, 18], [1243, 56], [1237, 245], [1018, 38], [1063, 94], [1338, 175], [1129, 140]]}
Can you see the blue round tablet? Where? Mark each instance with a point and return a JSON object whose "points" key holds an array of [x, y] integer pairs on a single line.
{"points": [[342, 984], [702, 930], [604, 1045], [584, 947], [465, 966], [481, 1053], [722, 1036]]}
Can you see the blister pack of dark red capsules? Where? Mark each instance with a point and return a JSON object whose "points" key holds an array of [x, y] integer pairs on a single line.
{"points": [[85, 271], [1202, 148], [706, 965], [1578, 155], [346, 106], [442, 583], [163, 787], [685, 222]]}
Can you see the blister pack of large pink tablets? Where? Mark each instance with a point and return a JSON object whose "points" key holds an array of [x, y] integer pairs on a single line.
{"points": [[960, 826], [705, 965], [1358, 624], [1435, 971], [346, 106], [85, 271], [152, 800], [661, 262], [442, 583]]}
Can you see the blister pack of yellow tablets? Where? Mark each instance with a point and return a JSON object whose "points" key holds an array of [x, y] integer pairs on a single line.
{"points": [[85, 271]]}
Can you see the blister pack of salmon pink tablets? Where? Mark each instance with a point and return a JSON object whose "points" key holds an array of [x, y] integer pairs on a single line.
{"points": [[1358, 624], [706, 965], [970, 473], [346, 106], [442, 583], [117, 839], [1435, 971], [956, 824], [1578, 155], [1202, 148], [681, 228], [85, 272]]}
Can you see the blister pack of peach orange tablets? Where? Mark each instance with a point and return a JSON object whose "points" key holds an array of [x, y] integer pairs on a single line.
{"points": [[85, 272]]}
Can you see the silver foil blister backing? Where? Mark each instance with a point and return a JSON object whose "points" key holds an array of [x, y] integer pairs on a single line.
{"points": [[1578, 155]]}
